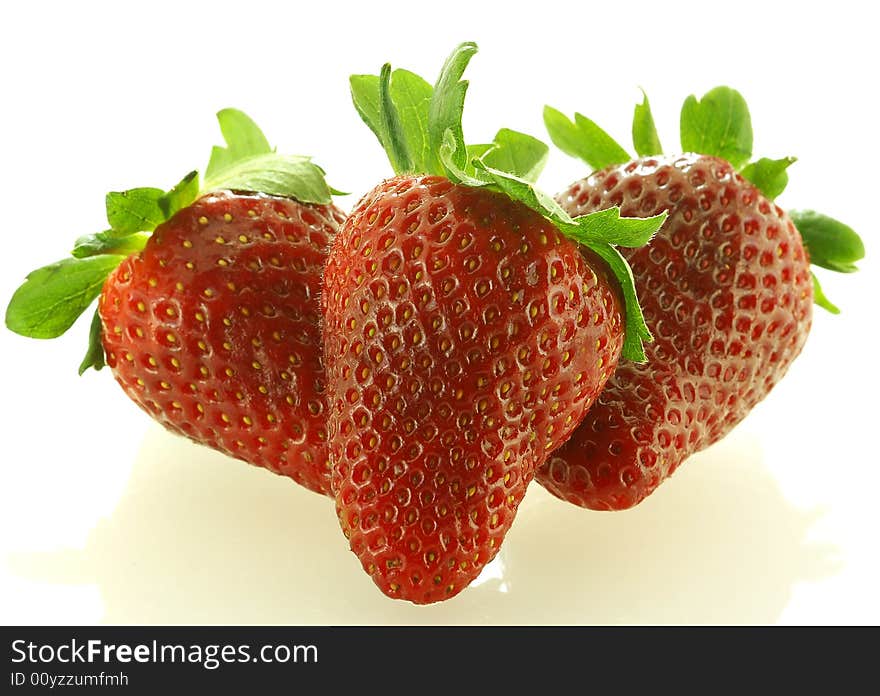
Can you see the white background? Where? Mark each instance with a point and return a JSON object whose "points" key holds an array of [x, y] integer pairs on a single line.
{"points": [[104, 517]]}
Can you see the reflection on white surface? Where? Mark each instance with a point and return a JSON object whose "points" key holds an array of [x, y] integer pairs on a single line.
{"points": [[494, 570], [199, 538]]}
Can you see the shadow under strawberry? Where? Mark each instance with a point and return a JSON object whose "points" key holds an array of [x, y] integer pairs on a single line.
{"points": [[196, 538]]}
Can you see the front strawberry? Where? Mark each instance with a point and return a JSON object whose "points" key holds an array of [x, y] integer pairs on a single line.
{"points": [[465, 336], [726, 289], [209, 315]]}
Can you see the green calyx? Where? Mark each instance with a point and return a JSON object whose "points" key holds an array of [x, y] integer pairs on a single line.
{"points": [[419, 126], [719, 124], [53, 297]]}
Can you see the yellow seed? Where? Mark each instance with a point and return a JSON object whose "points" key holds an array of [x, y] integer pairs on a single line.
{"points": [[188, 244], [141, 307], [242, 238], [247, 420], [200, 316], [175, 362], [203, 220], [227, 217], [262, 389], [152, 361], [219, 240], [178, 285]]}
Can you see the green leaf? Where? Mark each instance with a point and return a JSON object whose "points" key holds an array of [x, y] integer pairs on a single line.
{"points": [[398, 151], [52, 297], [184, 193], [830, 243], [603, 149], [636, 330], [719, 124], [516, 153], [769, 175], [447, 105], [449, 160], [94, 356], [243, 137], [412, 96], [583, 139], [477, 151], [820, 299], [293, 176], [609, 227], [525, 192], [365, 97], [135, 210], [109, 243], [644, 132], [595, 232]]}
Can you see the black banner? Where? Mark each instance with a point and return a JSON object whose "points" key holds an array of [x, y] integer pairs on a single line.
{"points": [[460, 660]]}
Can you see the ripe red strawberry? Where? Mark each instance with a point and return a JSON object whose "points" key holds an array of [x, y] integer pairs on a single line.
{"points": [[214, 329], [725, 287], [465, 337], [212, 324]]}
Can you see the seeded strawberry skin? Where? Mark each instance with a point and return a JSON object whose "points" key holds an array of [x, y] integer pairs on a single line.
{"points": [[465, 337], [214, 329], [726, 290]]}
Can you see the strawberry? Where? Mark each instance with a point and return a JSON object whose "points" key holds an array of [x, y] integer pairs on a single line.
{"points": [[208, 312], [465, 336], [726, 289]]}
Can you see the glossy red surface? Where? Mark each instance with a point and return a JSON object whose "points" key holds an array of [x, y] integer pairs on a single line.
{"points": [[214, 329]]}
